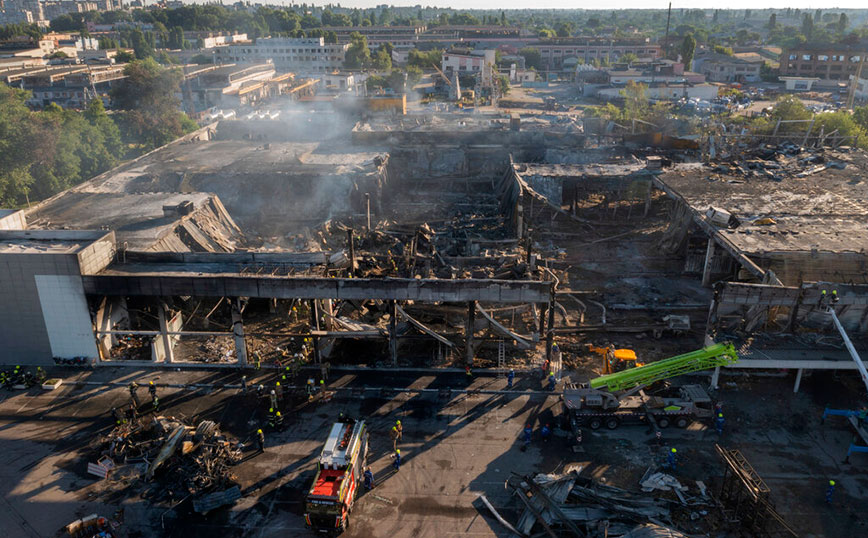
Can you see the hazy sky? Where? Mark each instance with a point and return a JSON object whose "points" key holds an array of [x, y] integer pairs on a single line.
{"points": [[610, 4]]}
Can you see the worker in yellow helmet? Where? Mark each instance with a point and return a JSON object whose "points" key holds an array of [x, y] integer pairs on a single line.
{"points": [[260, 438]]}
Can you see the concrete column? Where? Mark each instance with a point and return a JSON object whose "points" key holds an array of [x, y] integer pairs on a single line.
{"points": [[468, 333], [238, 333], [314, 325], [368, 211], [164, 332], [798, 380], [352, 248], [393, 332], [715, 377], [709, 257], [543, 311], [550, 333]]}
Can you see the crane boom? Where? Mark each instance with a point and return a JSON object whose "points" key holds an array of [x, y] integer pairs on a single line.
{"points": [[695, 361]]}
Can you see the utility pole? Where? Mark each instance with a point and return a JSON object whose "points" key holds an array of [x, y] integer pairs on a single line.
{"points": [[851, 95], [666, 39]]}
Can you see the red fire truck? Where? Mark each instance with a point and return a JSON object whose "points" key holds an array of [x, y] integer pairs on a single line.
{"points": [[338, 478]]}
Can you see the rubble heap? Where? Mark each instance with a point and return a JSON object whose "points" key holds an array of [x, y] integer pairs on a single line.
{"points": [[589, 508], [186, 461]]}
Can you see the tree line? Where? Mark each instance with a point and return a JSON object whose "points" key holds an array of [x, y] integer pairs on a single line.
{"points": [[47, 151]]}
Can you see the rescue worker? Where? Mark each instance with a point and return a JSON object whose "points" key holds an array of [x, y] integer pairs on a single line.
{"points": [[119, 416], [272, 398], [259, 389], [544, 432], [369, 479], [552, 381], [528, 433], [309, 388], [671, 459], [397, 459], [510, 377], [835, 297], [40, 375], [830, 491], [394, 435], [718, 423], [260, 439], [272, 420], [324, 370], [133, 393], [258, 359], [400, 430], [824, 298], [278, 420], [278, 392], [468, 374], [244, 384], [155, 402], [152, 389]]}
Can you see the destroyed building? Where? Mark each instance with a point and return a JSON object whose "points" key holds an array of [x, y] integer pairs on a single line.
{"points": [[437, 240]]}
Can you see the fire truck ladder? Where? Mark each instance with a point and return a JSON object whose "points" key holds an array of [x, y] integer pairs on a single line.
{"points": [[695, 361]]}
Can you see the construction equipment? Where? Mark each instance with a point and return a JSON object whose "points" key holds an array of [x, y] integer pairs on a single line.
{"points": [[859, 421], [695, 361], [339, 474], [599, 404], [615, 360]]}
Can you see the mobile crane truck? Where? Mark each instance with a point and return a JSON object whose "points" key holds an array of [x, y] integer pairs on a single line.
{"points": [[619, 398], [338, 478]]}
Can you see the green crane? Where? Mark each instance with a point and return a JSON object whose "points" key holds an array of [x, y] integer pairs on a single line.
{"points": [[695, 361]]}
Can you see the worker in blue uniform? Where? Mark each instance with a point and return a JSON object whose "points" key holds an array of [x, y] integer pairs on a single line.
{"points": [[718, 423], [672, 459]]}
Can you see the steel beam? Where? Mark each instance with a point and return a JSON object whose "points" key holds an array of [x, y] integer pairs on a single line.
{"points": [[267, 286]]}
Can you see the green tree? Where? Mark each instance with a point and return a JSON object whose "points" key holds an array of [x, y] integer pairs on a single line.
{"points": [[176, 39], [147, 95], [358, 55], [860, 116], [688, 48], [565, 29], [382, 60], [807, 25], [773, 22], [636, 103], [843, 23], [532, 57]]}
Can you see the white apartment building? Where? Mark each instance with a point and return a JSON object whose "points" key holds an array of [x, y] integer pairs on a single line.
{"points": [[298, 55], [470, 62]]}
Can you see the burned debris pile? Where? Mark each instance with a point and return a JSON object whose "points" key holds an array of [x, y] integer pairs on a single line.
{"points": [[180, 460], [583, 507], [779, 162]]}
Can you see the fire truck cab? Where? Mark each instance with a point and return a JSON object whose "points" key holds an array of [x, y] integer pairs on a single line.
{"points": [[338, 478]]}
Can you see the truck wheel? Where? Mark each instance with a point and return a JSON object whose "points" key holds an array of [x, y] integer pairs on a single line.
{"points": [[663, 422], [595, 423], [612, 423], [682, 422]]}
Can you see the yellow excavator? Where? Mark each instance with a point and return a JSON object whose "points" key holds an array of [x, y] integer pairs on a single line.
{"points": [[616, 360]]}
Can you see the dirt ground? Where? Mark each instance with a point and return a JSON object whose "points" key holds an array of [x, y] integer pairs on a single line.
{"points": [[454, 449]]}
